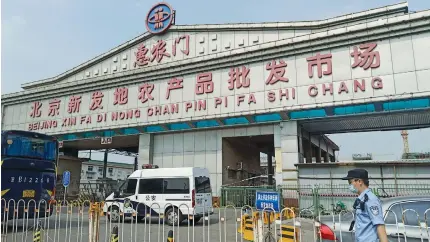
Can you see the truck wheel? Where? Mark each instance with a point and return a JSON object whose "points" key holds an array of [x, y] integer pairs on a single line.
{"points": [[173, 216], [113, 214]]}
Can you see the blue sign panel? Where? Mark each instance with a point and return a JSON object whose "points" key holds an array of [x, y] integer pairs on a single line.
{"points": [[267, 200], [159, 18], [66, 178]]}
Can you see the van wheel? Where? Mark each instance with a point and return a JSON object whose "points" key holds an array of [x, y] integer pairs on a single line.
{"points": [[173, 216], [113, 214]]}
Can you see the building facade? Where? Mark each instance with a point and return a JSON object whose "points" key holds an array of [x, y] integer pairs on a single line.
{"points": [[92, 170], [179, 94]]}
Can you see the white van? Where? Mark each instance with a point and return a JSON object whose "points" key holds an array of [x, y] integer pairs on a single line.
{"points": [[161, 191]]}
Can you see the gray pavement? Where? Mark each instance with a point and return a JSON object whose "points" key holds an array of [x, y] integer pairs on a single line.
{"points": [[221, 226]]}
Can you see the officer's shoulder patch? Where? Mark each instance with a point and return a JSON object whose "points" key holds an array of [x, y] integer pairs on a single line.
{"points": [[374, 210]]}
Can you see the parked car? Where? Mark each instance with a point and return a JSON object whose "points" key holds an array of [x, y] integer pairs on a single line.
{"points": [[421, 204]]}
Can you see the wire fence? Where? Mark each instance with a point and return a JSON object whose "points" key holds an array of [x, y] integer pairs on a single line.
{"points": [[63, 221], [94, 191], [324, 198]]}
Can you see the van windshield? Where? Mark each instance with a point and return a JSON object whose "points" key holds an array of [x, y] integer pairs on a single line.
{"points": [[203, 184], [129, 186]]}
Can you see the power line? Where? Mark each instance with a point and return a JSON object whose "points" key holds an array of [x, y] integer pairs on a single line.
{"points": [[116, 152]]}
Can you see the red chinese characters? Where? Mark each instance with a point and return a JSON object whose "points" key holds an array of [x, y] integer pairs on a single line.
{"points": [[277, 72], [145, 91], [120, 96], [238, 77], [366, 59], [159, 51], [74, 104], [36, 109], [186, 51], [364, 56], [54, 107], [173, 84], [204, 83], [318, 61], [96, 100], [141, 58]]}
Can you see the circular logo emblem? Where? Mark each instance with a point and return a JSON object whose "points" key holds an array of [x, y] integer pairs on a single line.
{"points": [[127, 203], [159, 18]]}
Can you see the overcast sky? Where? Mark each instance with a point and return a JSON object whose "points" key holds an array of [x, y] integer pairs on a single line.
{"points": [[42, 38]]}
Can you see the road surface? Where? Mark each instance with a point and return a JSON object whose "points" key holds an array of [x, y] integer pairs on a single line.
{"points": [[221, 226]]}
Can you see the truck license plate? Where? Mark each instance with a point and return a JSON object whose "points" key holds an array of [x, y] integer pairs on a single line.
{"points": [[28, 193]]}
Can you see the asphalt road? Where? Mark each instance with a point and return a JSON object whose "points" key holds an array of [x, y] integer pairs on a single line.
{"points": [[221, 226]]}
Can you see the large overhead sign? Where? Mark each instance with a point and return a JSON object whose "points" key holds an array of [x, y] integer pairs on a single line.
{"points": [[352, 74]]}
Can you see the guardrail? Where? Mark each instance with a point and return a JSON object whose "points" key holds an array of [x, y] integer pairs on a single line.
{"points": [[64, 221], [322, 197]]}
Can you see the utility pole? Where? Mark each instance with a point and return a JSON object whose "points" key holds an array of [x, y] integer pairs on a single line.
{"points": [[105, 161]]}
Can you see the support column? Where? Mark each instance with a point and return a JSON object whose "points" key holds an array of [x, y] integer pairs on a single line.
{"points": [[308, 152], [287, 146], [326, 157], [136, 166], [269, 168], [318, 151], [146, 148], [310, 149], [301, 145], [2, 117]]}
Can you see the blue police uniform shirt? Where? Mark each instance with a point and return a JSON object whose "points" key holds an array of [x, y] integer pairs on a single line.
{"points": [[366, 221]]}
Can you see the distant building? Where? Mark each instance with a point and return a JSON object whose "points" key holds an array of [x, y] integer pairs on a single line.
{"points": [[264, 165], [416, 155], [360, 157], [74, 166], [93, 170]]}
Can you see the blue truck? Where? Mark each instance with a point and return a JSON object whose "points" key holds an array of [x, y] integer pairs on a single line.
{"points": [[28, 173]]}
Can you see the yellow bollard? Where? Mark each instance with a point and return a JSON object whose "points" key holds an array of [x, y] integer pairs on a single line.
{"points": [[37, 234], [170, 236], [268, 219], [114, 236], [250, 222], [241, 229], [287, 214], [288, 235]]}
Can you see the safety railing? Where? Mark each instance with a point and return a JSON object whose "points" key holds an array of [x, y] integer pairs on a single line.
{"points": [[324, 197], [129, 221]]}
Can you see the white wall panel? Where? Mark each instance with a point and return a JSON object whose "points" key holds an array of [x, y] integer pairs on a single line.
{"points": [[207, 153], [402, 54]]}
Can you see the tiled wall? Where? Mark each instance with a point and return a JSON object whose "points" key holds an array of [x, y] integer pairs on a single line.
{"points": [[200, 149]]}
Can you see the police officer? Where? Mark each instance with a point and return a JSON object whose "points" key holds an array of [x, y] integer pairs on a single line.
{"points": [[369, 217]]}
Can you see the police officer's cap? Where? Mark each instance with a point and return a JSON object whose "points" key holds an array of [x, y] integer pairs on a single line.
{"points": [[357, 174]]}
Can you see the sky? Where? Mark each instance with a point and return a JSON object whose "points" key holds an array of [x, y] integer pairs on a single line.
{"points": [[43, 38]]}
